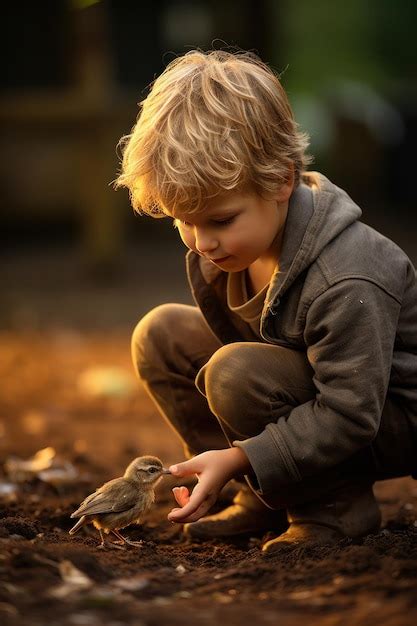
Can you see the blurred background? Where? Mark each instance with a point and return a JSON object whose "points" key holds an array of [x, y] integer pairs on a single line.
{"points": [[73, 254]]}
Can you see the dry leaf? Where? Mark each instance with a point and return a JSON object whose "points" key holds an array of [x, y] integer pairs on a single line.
{"points": [[74, 580], [43, 465], [20, 470], [72, 575]]}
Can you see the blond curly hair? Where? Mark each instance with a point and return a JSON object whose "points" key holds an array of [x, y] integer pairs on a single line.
{"points": [[213, 123]]}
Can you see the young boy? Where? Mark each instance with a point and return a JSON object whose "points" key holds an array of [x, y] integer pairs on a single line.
{"points": [[297, 369]]}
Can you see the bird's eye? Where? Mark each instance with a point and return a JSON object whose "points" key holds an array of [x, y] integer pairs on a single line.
{"points": [[151, 470]]}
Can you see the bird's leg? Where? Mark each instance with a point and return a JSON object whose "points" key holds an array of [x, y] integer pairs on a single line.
{"points": [[104, 544], [103, 539], [124, 540]]}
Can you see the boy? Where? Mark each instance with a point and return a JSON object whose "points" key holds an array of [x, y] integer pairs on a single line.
{"points": [[297, 369]]}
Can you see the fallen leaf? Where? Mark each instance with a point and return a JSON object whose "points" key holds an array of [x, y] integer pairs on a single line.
{"points": [[44, 465], [72, 575], [20, 470], [74, 580]]}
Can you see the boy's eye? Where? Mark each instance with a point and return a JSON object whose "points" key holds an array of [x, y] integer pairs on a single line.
{"points": [[225, 222]]}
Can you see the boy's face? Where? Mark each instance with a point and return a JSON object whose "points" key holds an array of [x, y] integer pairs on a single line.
{"points": [[236, 230]]}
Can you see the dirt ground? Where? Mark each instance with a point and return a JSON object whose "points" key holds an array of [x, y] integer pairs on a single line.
{"points": [[55, 392], [169, 580]]}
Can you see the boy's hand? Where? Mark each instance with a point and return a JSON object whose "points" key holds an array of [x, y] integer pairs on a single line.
{"points": [[213, 469]]}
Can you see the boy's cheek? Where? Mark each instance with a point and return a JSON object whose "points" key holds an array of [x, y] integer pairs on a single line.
{"points": [[187, 239]]}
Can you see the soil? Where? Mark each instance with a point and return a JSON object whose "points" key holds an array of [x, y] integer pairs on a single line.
{"points": [[169, 580]]}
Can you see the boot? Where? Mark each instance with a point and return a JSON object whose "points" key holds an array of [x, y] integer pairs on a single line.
{"points": [[351, 512], [245, 515]]}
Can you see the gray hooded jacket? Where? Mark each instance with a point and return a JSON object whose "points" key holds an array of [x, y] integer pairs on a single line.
{"points": [[347, 297]]}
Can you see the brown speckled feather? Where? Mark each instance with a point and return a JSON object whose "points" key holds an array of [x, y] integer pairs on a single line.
{"points": [[119, 494]]}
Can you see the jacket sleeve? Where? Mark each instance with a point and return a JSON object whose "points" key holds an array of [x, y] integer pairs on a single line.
{"points": [[349, 333]]}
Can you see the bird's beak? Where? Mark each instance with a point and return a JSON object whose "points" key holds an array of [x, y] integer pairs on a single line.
{"points": [[165, 470]]}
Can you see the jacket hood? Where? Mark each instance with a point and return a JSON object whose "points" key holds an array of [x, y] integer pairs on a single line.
{"points": [[318, 212]]}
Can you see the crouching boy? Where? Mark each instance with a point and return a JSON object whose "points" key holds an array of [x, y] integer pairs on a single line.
{"points": [[296, 371]]}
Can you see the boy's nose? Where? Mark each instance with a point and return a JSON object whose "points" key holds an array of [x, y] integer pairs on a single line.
{"points": [[204, 242]]}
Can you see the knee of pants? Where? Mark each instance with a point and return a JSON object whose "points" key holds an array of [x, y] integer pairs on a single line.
{"points": [[223, 381], [150, 336], [249, 385]]}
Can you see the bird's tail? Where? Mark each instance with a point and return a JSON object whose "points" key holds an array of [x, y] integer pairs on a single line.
{"points": [[81, 522]]}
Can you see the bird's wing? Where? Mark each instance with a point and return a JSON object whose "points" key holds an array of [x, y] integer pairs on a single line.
{"points": [[113, 497]]}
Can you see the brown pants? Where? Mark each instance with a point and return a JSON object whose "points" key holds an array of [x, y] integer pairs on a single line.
{"points": [[213, 394]]}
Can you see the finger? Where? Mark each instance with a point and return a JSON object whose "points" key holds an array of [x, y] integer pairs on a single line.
{"points": [[172, 516], [199, 512], [195, 500], [184, 469], [179, 515], [198, 506], [181, 495]]}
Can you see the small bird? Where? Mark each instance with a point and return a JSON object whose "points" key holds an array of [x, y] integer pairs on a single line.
{"points": [[121, 501]]}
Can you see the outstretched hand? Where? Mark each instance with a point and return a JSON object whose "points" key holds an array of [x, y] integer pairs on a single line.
{"points": [[214, 469]]}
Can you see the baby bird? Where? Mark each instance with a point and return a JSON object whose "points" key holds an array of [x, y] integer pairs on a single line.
{"points": [[121, 501]]}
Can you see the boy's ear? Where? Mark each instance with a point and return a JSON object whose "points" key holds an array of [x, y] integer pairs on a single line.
{"points": [[286, 189]]}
